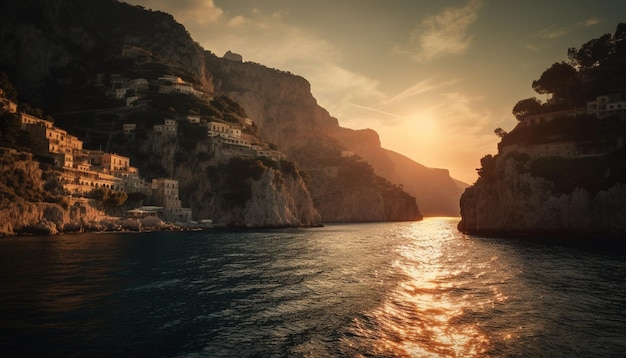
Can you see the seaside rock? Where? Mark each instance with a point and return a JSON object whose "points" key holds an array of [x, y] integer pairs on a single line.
{"points": [[131, 224], [43, 227], [152, 222], [516, 202]]}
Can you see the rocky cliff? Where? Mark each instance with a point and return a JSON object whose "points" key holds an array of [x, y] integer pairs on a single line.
{"points": [[56, 51], [512, 199], [277, 199], [289, 116], [53, 48]]}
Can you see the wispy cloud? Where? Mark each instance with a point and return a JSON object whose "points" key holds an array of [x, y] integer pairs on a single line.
{"points": [[419, 88], [592, 21], [376, 110], [443, 34], [553, 32], [533, 48], [199, 12]]}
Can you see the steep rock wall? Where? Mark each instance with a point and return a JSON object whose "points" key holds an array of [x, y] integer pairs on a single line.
{"points": [[277, 200], [288, 115], [516, 202]]}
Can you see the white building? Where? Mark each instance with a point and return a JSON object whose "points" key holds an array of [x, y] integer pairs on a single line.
{"points": [[165, 194], [193, 118], [607, 106], [168, 128], [129, 128], [169, 84]]}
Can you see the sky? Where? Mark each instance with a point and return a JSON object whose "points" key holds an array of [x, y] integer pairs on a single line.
{"points": [[433, 78]]}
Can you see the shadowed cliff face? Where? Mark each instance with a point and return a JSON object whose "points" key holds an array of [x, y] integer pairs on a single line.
{"points": [[288, 115], [54, 48], [513, 201]]}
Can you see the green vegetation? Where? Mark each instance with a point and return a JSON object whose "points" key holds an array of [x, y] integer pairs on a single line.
{"points": [[11, 133], [109, 199], [7, 87], [590, 173], [238, 173], [236, 176], [594, 69], [17, 180], [487, 167], [565, 129]]}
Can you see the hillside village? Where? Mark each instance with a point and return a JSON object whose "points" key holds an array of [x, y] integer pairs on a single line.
{"points": [[85, 170], [605, 108]]}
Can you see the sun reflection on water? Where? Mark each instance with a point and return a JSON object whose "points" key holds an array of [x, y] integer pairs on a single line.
{"points": [[428, 314]]}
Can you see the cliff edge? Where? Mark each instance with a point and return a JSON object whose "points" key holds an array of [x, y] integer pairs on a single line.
{"points": [[512, 200]]}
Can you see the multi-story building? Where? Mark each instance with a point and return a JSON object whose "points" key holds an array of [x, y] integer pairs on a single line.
{"points": [[7, 104], [115, 162], [228, 133], [50, 141], [165, 194], [129, 128], [607, 106], [169, 84], [85, 170], [168, 128]]}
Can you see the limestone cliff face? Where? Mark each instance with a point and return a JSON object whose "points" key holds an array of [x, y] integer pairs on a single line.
{"points": [[277, 200], [229, 190], [288, 115], [516, 202], [280, 103]]}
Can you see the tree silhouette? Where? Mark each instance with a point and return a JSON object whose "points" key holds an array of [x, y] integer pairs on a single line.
{"points": [[526, 107], [556, 80], [593, 53]]}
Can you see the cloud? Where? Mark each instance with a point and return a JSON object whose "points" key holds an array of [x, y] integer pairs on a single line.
{"points": [[553, 32], [532, 48], [237, 21], [199, 12], [443, 34], [419, 88], [376, 110], [592, 21]]}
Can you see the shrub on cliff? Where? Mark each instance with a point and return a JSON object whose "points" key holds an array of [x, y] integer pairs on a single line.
{"points": [[109, 199], [20, 178]]}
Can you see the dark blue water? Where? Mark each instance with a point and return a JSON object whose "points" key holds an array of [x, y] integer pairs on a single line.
{"points": [[368, 290]]}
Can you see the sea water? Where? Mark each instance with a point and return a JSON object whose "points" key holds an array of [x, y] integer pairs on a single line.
{"points": [[412, 289]]}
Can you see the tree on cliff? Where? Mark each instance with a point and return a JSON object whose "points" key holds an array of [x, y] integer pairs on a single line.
{"points": [[110, 199], [556, 80], [591, 54], [526, 107], [7, 87], [487, 167]]}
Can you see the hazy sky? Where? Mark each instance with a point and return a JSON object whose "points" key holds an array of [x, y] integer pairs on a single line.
{"points": [[433, 78]]}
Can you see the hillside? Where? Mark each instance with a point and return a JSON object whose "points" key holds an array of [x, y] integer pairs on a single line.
{"points": [[64, 56]]}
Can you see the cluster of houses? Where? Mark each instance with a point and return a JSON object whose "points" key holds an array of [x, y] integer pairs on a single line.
{"points": [[131, 90], [229, 137], [602, 107], [84, 170]]}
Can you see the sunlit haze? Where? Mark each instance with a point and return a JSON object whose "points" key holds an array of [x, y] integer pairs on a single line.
{"points": [[433, 78]]}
